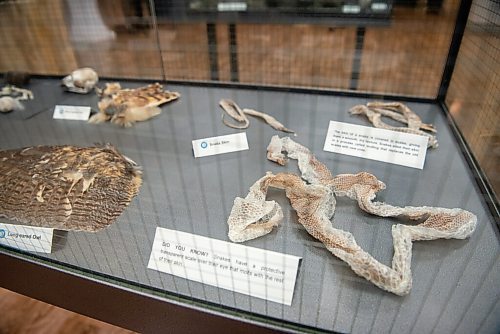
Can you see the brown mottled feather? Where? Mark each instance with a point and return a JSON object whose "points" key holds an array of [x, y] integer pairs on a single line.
{"points": [[124, 107], [151, 95], [66, 187]]}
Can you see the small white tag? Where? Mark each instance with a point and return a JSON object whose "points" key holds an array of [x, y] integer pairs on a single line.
{"points": [[220, 144], [33, 239], [72, 112], [231, 6], [351, 9], [251, 271], [394, 147], [379, 6]]}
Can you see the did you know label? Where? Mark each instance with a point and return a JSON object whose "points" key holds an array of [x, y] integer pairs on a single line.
{"points": [[251, 271]]}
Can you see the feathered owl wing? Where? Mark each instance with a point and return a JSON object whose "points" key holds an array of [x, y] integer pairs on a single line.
{"points": [[66, 187]]}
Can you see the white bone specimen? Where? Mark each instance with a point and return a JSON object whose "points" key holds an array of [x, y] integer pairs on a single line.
{"points": [[314, 201], [239, 115], [398, 112], [81, 81], [8, 103]]}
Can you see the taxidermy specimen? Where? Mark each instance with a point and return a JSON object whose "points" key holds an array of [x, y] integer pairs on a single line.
{"points": [[312, 195], [239, 115], [81, 81], [10, 97], [66, 187], [124, 107], [8, 103], [398, 112]]}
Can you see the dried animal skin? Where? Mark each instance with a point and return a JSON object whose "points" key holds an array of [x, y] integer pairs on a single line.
{"points": [[233, 110], [81, 81], [239, 115], [399, 112], [273, 122], [127, 106], [8, 103], [66, 187], [314, 202]]}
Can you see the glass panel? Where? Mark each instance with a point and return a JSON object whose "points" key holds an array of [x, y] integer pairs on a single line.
{"points": [[403, 53], [473, 96], [305, 63]]}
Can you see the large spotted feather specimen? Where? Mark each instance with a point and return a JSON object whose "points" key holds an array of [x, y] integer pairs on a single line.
{"points": [[66, 187], [124, 107]]}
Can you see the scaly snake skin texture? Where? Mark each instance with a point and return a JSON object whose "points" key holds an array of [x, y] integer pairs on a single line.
{"points": [[398, 112], [313, 197], [239, 115], [66, 187]]}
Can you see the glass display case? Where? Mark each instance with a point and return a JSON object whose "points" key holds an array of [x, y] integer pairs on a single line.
{"points": [[318, 173]]}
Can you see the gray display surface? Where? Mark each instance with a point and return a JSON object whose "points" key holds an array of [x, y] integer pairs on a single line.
{"points": [[455, 282]]}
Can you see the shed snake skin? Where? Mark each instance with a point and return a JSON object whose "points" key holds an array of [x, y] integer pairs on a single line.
{"points": [[313, 197]]}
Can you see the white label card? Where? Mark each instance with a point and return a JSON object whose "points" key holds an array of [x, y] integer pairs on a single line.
{"points": [[33, 239], [394, 147], [251, 271], [351, 9], [379, 6], [231, 6], [76, 113], [221, 144]]}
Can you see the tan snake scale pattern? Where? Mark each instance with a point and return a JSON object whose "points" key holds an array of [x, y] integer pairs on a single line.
{"points": [[313, 197]]}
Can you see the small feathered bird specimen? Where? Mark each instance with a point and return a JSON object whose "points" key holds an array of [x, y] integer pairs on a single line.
{"points": [[66, 187], [81, 81], [127, 106]]}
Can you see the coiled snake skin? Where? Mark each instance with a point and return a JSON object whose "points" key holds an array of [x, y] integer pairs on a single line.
{"points": [[313, 197], [398, 112]]}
